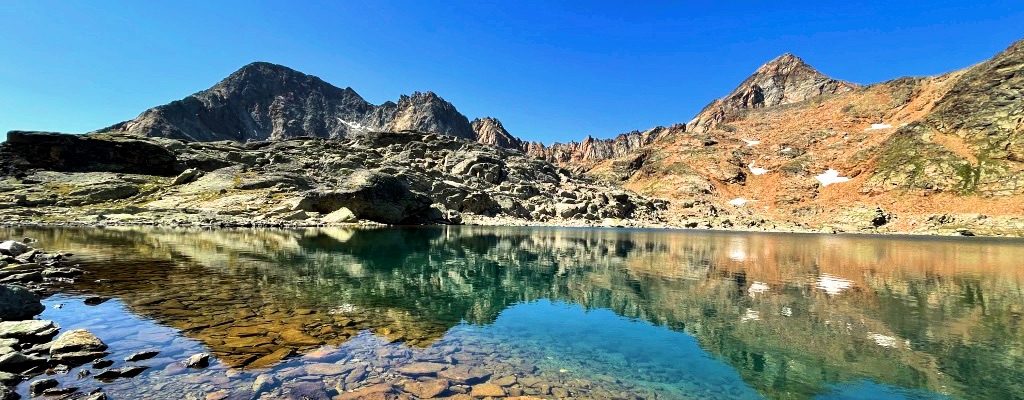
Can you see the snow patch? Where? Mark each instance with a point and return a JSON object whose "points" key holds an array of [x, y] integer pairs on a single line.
{"points": [[739, 202], [829, 177], [757, 171], [751, 142], [878, 126], [833, 285]]}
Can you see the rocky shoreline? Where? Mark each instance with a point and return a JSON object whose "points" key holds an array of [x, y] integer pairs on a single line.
{"points": [[35, 349]]}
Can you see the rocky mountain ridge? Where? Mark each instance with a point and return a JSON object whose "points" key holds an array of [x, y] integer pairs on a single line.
{"points": [[264, 101]]}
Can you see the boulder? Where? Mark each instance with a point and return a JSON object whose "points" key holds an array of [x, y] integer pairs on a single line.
{"points": [[570, 210], [13, 248], [339, 216], [200, 360], [482, 166], [373, 196], [18, 303], [186, 176], [77, 346], [100, 193], [18, 362], [34, 331]]}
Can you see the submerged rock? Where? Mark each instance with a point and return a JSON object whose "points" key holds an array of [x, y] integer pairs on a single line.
{"points": [[18, 303]]}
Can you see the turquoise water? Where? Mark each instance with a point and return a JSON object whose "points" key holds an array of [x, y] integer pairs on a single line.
{"points": [[581, 313]]}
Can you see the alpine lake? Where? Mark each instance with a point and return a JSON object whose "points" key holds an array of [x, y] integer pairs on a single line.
{"points": [[473, 312]]}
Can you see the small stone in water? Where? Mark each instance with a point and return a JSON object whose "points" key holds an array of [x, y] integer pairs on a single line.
{"points": [[100, 364], [142, 355], [201, 360], [95, 300]]}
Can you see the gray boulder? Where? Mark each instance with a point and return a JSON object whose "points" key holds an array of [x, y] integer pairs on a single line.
{"points": [[18, 303], [187, 176], [13, 248], [31, 330]]}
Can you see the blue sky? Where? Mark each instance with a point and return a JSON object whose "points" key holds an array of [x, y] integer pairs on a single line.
{"points": [[551, 71]]}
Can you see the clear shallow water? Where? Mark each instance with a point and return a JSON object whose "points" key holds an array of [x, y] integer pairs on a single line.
{"points": [[587, 313]]}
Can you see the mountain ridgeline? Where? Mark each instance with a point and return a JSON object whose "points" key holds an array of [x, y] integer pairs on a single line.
{"points": [[789, 148], [263, 101]]}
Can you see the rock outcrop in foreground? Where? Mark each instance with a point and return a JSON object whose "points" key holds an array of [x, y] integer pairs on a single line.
{"points": [[392, 177]]}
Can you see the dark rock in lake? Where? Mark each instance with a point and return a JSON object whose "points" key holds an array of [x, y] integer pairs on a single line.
{"points": [[125, 372], [37, 387], [18, 303], [142, 355]]}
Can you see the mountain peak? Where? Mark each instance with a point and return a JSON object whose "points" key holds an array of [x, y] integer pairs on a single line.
{"points": [[263, 100], [783, 80]]}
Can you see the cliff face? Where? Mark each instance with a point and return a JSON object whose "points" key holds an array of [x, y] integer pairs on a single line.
{"points": [[264, 101], [784, 80]]}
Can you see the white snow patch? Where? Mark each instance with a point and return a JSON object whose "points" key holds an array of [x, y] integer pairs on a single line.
{"points": [[751, 142], [829, 177], [756, 170], [833, 285], [355, 126], [883, 340], [757, 288], [739, 202], [878, 126], [750, 315]]}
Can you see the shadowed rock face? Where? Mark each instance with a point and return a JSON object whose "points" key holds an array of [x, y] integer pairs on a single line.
{"points": [[264, 101], [62, 152], [784, 80]]}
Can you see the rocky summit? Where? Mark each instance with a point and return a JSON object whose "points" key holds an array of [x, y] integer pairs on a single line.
{"points": [[264, 101]]}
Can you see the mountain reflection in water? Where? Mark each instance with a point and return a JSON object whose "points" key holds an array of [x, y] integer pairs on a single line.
{"points": [[675, 314]]}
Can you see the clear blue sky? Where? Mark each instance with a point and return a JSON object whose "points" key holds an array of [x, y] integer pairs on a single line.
{"points": [[551, 71]]}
